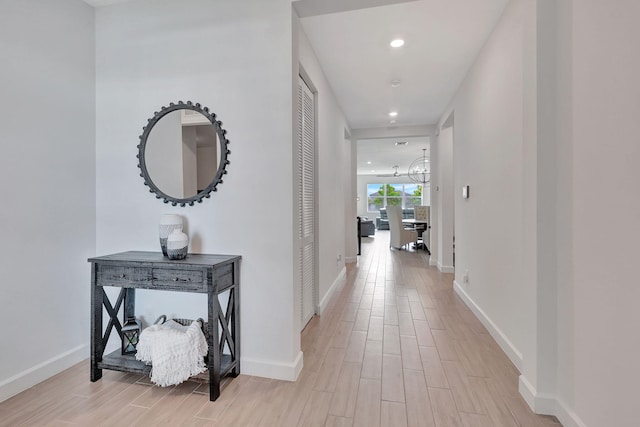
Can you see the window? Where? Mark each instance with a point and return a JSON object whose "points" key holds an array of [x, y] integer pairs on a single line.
{"points": [[405, 195]]}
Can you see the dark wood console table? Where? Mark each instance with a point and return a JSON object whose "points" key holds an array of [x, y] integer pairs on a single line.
{"points": [[199, 273]]}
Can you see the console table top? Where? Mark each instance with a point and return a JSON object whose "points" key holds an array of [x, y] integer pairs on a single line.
{"points": [[158, 257]]}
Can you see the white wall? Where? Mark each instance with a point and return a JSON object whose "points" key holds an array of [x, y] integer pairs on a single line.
{"points": [[435, 202], [47, 128], [605, 215], [235, 58], [351, 227], [489, 134], [524, 131], [443, 249], [334, 168], [565, 284]]}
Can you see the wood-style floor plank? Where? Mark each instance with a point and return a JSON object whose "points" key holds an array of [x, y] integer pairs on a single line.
{"points": [[368, 404], [391, 340], [317, 409], [393, 414], [333, 421], [423, 333], [410, 353], [328, 375], [432, 367], [344, 398], [372, 362], [419, 411], [392, 378], [356, 346], [445, 412], [376, 328]]}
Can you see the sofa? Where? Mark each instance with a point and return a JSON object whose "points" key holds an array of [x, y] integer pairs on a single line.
{"points": [[382, 222], [366, 227]]}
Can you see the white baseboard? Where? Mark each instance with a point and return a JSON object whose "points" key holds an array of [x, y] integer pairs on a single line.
{"points": [[540, 403], [350, 259], [272, 369], [432, 261], [446, 268], [327, 297], [527, 392], [548, 404], [32, 376], [567, 417], [512, 352]]}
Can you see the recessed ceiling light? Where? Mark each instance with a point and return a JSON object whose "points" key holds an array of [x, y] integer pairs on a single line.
{"points": [[373, 170], [397, 43], [395, 83], [392, 122], [401, 143], [368, 163], [393, 113]]}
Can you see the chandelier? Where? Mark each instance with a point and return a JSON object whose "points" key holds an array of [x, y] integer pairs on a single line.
{"points": [[420, 169]]}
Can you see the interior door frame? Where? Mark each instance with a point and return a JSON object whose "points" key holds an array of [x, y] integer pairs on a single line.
{"points": [[448, 210]]}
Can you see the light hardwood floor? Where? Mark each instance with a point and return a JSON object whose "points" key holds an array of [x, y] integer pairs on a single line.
{"points": [[396, 347]]}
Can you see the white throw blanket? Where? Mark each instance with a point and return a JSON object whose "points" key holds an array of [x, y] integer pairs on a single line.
{"points": [[175, 352]]}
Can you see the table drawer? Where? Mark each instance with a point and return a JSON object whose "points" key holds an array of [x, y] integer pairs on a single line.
{"points": [[112, 275], [167, 278]]}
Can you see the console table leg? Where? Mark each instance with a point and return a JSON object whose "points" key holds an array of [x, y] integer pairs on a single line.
{"points": [[213, 363], [97, 349], [235, 321], [214, 386]]}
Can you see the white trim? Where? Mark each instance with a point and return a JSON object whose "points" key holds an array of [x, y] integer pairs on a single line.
{"points": [[432, 261], [548, 404], [350, 259], [325, 300], [272, 369], [502, 340], [446, 268], [567, 417], [540, 403], [42, 371], [527, 392]]}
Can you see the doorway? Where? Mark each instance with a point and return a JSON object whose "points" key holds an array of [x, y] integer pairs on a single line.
{"points": [[446, 205]]}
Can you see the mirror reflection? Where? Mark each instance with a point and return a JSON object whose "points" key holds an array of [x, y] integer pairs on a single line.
{"points": [[182, 153]]}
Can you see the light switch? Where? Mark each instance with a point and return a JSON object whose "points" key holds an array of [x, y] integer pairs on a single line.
{"points": [[465, 192]]}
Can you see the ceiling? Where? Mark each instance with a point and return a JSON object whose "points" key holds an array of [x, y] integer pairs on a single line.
{"points": [[351, 40], [442, 39], [383, 153]]}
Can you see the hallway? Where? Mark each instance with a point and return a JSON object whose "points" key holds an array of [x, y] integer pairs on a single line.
{"points": [[394, 348], [409, 351]]}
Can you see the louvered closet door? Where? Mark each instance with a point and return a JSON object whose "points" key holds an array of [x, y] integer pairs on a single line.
{"points": [[306, 200]]}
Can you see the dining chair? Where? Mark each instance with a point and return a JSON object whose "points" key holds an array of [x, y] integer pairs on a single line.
{"points": [[423, 213], [399, 236]]}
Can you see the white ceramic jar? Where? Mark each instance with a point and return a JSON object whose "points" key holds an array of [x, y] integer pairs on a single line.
{"points": [[168, 223], [177, 245]]}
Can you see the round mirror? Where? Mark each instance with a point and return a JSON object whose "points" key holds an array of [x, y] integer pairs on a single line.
{"points": [[183, 153]]}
